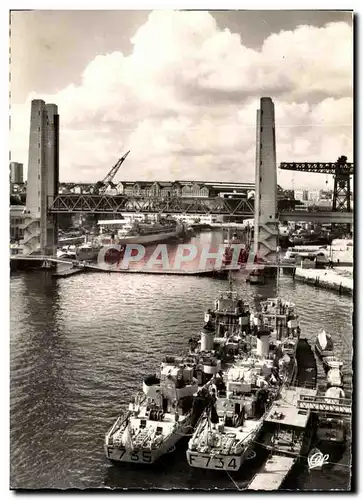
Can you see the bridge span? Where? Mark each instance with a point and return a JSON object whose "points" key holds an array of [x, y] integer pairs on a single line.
{"points": [[44, 202], [323, 217], [72, 203], [233, 207]]}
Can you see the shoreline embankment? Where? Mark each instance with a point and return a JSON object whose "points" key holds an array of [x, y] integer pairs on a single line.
{"points": [[338, 279]]}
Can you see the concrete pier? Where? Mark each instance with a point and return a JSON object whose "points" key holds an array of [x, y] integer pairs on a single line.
{"points": [[339, 279], [144, 270], [272, 474]]}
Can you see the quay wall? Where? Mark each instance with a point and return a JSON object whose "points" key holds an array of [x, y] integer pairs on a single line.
{"points": [[27, 265], [339, 280]]}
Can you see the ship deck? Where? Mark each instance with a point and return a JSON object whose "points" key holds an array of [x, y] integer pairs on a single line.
{"points": [[306, 385], [229, 434], [144, 430], [287, 407], [230, 312], [286, 413], [167, 424]]}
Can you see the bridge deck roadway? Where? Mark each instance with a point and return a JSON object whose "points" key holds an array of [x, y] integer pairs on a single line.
{"points": [[324, 217], [235, 207]]}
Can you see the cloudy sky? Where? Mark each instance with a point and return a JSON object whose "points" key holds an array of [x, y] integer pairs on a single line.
{"points": [[180, 89]]}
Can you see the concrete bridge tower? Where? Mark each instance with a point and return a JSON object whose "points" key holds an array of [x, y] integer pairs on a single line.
{"points": [[40, 229], [266, 217]]}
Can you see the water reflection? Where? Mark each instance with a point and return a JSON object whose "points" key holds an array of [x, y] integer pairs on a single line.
{"points": [[80, 347], [39, 351]]}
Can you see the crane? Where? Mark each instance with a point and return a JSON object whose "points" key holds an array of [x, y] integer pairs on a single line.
{"points": [[101, 186], [341, 169]]}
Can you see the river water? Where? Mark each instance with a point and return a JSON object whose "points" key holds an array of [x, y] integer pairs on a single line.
{"points": [[80, 347]]}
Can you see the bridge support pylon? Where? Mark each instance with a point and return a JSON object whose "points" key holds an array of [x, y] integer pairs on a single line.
{"points": [[266, 216], [40, 227]]}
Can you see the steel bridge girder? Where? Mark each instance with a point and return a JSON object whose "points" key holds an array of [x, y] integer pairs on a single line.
{"points": [[319, 167], [75, 203]]}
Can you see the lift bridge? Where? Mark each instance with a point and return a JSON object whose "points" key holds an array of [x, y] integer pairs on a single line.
{"points": [[236, 206], [232, 207], [43, 201]]}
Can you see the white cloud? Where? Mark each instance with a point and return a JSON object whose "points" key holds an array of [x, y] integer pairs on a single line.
{"points": [[184, 102]]}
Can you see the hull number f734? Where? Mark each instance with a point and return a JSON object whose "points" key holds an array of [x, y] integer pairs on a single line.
{"points": [[208, 462]]}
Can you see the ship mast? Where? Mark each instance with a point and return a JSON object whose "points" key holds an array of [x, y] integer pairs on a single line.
{"points": [[230, 271], [230, 280], [278, 273], [277, 289]]}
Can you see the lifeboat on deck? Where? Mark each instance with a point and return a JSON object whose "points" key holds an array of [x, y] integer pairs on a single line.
{"points": [[334, 378], [330, 362], [335, 393]]}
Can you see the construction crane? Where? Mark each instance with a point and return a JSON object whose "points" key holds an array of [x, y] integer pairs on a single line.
{"points": [[101, 186], [341, 169]]}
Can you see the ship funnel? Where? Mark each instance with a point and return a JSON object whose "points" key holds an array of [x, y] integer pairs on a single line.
{"points": [[206, 340], [244, 320], [151, 387], [263, 344]]}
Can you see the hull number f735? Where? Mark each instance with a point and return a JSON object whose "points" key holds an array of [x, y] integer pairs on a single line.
{"points": [[121, 455]]}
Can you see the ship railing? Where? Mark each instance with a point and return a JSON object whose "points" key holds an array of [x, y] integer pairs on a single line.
{"points": [[140, 398], [199, 429], [323, 399], [325, 404], [120, 420], [228, 294], [305, 385]]}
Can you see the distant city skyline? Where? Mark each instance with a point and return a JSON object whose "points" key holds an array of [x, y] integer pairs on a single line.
{"points": [[180, 89]]}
